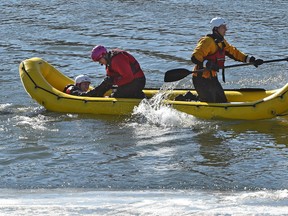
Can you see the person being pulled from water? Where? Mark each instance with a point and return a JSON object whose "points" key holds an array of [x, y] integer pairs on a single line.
{"points": [[82, 83], [124, 74], [209, 54], [81, 87]]}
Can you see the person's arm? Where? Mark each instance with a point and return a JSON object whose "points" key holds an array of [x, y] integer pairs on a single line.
{"points": [[100, 90], [234, 53], [73, 90]]}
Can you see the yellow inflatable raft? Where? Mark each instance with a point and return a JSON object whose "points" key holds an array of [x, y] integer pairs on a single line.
{"points": [[45, 84]]}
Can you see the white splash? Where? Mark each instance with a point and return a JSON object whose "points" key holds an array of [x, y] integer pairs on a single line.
{"points": [[153, 111]]}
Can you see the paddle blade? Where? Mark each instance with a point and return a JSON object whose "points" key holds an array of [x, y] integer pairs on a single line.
{"points": [[176, 74]]}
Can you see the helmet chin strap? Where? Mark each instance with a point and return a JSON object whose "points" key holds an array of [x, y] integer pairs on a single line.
{"points": [[216, 30], [219, 36], [107, 57]]}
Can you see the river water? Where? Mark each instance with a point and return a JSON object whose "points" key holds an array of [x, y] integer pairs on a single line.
{"points": [[154, 162]]}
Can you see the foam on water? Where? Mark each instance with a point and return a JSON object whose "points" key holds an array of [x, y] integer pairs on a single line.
{"points": [[37, 123], [77, 202]]}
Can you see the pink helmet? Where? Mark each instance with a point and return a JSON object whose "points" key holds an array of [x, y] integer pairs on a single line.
{"points": [[98, 52]]}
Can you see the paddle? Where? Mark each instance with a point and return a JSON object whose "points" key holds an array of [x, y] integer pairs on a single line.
{"points": [[180, 73]]}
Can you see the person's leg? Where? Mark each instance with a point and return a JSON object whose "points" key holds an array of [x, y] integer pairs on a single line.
{"points": [[220, 96], [202, 87], [131, 90]]}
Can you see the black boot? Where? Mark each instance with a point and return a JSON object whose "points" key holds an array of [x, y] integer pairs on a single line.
{"points": [[190, 97]]}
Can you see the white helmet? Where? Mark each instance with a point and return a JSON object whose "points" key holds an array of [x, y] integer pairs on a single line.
{"points": [[82, 78], [217, 21]]}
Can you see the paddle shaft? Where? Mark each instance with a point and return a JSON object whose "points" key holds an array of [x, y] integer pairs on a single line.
{"points": [[251, 63], [244, 64], [177, 74]]}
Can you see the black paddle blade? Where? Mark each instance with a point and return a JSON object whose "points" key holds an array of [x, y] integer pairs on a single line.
{"points": [[176, 74]]}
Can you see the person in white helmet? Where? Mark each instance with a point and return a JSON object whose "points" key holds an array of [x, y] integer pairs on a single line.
{"points": [[210, 54], [82, 83]]}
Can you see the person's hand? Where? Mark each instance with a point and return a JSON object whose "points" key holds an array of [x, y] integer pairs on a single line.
{"points": [[256, 62], [211, 65], [100, 90]]}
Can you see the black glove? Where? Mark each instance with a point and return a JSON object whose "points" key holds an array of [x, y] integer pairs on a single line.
{"points": [[212, 66], [256, 62]]}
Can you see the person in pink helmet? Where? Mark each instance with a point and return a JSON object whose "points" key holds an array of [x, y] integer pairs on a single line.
{"points": [[123, 72], [209, 54]]}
